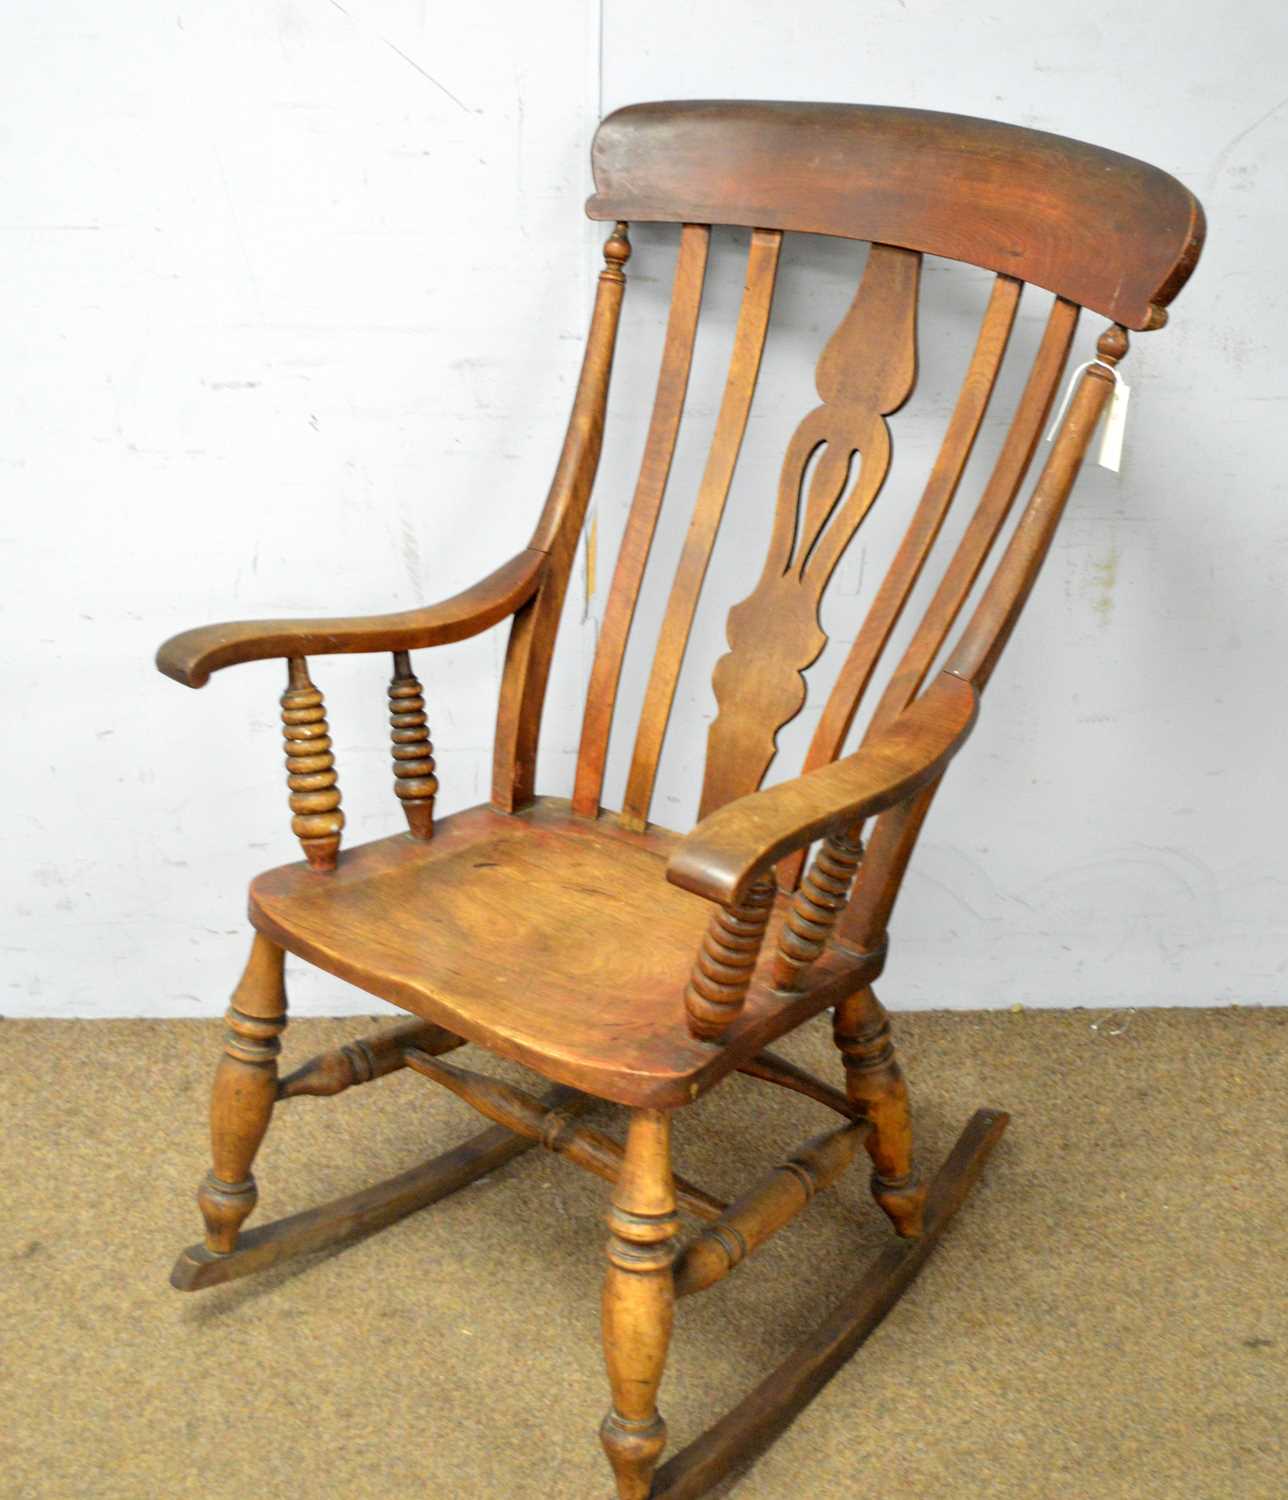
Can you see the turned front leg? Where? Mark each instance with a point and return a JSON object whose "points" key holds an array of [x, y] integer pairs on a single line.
{"points": [[639, 1302], [242, 1102], [875, 1085]]}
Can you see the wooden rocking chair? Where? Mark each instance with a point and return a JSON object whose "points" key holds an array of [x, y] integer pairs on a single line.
{"points": [[618, 959]]}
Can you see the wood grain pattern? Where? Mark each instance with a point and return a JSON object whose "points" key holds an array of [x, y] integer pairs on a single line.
{"points": [[639, 1302], [866, 372], [1101, 229], [744, 368], [416, 924], [191, 657], [641, 524], [242, 1100], [621, 959], [531, 646], [924, 528], [1012, 464]]}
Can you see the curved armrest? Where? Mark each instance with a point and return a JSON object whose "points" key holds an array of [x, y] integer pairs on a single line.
{"points": [[190, 658], [727, 851]]}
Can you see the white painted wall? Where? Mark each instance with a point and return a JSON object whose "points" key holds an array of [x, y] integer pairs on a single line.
{"points": [[293, 303]]}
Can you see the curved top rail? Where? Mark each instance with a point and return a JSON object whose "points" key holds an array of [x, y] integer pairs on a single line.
{"points": [[1101, 229]]}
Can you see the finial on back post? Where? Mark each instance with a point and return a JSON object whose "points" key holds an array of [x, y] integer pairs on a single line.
{"points": [[617, 251], [1113, 344]]}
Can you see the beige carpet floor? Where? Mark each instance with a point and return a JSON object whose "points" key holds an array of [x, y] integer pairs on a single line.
{"points": [[1106, 1318]]}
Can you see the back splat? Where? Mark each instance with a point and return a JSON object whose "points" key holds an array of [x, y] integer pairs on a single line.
{"points": [[866, 373]]}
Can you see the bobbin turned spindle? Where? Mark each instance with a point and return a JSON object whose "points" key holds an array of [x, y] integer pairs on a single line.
{"points": [[721, 973], [414, 781], [310, 767], [816, 906]]}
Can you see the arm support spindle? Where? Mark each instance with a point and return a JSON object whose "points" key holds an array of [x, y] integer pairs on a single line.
{"points": [[310, 767], [414, 781]]}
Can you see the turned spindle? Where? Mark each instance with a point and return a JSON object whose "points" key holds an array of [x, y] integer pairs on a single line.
{"points": [[816, 906], [876, 1087], [639, 1302], [244, 1092], [366, 1059], [617, 251], [773, 1203], [722, 971], [556, 1130], [414, 781], [310, 768], [1113, 344]]}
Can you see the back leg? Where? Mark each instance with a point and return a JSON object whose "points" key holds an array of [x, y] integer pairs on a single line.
{"points": [[244, 1093], [875, 1083]]}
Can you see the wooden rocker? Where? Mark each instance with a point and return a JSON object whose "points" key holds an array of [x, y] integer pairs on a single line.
{"points": [[616, 958]]}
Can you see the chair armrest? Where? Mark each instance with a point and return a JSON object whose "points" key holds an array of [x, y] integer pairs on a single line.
{"points": [[190, 658], [728, 851]]}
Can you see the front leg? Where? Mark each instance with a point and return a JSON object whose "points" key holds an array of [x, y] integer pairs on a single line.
{"points": [[245, 1088], [639, 1302], [875, 1084]]}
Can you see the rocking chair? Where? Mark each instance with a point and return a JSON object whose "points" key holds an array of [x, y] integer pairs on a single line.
{"points": [[618, 959]]}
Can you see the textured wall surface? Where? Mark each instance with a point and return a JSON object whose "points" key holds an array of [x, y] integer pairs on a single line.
{"points": [[294, 300]]}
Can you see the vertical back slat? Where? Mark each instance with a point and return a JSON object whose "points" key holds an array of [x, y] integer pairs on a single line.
{"points": [[927, 521], [744, 368], [985, 637], [641, 524], [995, 505]]}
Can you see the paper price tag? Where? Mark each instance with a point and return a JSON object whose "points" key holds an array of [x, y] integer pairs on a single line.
{"points": [[1111, 438]]}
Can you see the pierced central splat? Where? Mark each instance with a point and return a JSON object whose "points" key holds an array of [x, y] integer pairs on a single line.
{"points": [[866, 372]]}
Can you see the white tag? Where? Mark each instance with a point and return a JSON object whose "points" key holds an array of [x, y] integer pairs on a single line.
{"points": [[1111, 439]]}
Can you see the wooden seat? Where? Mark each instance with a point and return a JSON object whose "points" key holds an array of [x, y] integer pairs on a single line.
{"points": [[616, 959], [418, 924]]}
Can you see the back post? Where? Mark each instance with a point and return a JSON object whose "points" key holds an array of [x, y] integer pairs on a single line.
{"points": [[861, 926], [536, 625]]}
